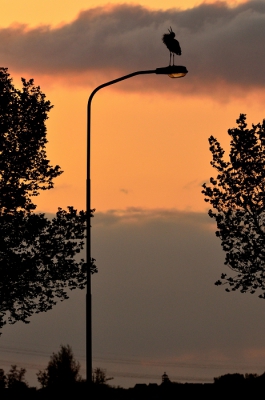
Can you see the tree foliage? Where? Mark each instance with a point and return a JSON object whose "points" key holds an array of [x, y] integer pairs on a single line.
{"points": [[237, 196], [24, 167], [99, 376], [39, 257], [2, 379], [16, 378], [62, 370]]}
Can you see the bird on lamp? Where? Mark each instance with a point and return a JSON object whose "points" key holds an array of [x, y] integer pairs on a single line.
{"points": [[172, 44]]}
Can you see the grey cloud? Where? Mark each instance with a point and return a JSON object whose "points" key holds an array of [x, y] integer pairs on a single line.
{"points": [[155, 306], [155, 297], [158, 268], [140, 216], [220, 45]]}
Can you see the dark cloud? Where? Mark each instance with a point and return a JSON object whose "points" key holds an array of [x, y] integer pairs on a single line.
{"points": [[157, 274], [221, 45], [155, 305], [155, 298]]}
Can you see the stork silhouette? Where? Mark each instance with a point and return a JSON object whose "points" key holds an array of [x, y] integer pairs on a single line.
{"points": [[172, 44]]}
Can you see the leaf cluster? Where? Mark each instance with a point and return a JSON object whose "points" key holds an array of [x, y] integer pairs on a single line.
{"points": [[24, 167], [40, 258], [38, 261], [237, 197], [62, 370], [15, 378], [99, 376]]}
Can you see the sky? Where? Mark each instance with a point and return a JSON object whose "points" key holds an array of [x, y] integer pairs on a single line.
{"points": [[155, 306]]}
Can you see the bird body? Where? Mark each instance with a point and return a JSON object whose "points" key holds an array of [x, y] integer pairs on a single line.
{"points": [[172, 44]]}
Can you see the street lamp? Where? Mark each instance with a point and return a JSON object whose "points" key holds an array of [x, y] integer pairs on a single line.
{"points": [[173, 71]]}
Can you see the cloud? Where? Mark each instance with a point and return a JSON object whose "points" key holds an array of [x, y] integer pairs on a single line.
{"points": [[155, 305], [138, 215], [155, 298], [221, 45]]}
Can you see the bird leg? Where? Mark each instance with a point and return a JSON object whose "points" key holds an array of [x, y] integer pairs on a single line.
{"points": [[173, 58], [170, 54]]}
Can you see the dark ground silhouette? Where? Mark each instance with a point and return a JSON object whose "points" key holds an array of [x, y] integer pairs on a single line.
{"points": [[228, 386]]}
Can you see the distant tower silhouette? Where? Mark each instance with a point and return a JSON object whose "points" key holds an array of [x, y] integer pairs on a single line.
{"points": [[172, 44], [165, 378]]}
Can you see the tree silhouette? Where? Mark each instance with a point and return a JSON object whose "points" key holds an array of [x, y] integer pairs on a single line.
{"points": [[2, 379], [230, 380], [39, 257], [16, 378], [24, 167], [237, 196], [99, 376], [62, 370]]}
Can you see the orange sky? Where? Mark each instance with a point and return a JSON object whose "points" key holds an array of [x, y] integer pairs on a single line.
{"points": [[153, 154], [61, 11], [148, 150]]}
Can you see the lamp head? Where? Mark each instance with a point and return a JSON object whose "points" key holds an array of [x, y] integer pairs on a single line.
{"points": [[173, 71]]}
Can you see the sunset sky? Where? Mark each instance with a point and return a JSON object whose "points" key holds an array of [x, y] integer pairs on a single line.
{"points": [[155, 305]]}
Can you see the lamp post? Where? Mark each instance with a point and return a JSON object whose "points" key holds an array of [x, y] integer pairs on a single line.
{"points": [[173, 71]]}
